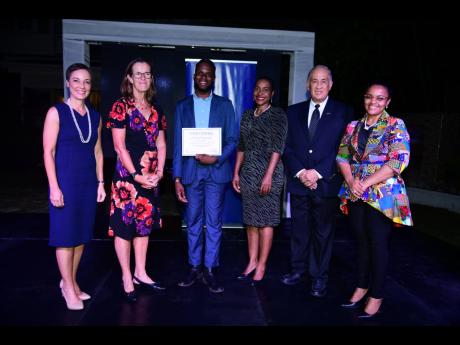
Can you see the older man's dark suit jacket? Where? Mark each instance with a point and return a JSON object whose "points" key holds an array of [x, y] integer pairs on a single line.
{"points": [[318, 152]]}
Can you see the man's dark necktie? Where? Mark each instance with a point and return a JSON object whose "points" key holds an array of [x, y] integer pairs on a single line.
{"points": [[314, 121]]}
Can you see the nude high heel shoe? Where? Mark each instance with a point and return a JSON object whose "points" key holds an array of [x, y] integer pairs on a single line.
{"points": [[72, 306], [82, 295]]}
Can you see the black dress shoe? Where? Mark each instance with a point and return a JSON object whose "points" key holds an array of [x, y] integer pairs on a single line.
{"points": [[194, 274], [209, 279], [318, 288], [243, 276], [318, 293], [292, 278], [154, 286]]}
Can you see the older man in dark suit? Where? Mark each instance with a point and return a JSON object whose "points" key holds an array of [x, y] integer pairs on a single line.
{"points": [[315, 128]]}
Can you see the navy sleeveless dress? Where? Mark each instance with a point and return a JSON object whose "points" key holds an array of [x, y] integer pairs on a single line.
{"points": [[72, 225]]}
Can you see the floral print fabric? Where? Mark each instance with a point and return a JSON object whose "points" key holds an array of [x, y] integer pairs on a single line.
{"points": [[135, 211]]}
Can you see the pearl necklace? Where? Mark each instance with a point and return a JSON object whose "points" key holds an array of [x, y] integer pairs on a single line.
{"points": [[84, 141], [255, 114]]}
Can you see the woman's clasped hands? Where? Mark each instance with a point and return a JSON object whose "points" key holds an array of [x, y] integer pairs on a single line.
{"points": [[357, 187], [149, 181]]}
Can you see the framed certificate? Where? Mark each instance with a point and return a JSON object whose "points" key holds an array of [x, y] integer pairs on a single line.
{"points": [[201, 141]]}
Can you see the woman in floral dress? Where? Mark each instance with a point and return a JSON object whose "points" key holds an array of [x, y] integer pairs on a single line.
{"points": [[138, 124]]}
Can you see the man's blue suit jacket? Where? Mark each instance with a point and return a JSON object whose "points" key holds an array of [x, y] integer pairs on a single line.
{"points": [[221, 115], [318, 152]]}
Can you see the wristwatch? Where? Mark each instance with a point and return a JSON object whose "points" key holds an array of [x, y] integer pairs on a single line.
{"points": [[133, 174]]}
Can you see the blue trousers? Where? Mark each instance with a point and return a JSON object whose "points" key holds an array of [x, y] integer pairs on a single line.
{"points": [[205, 206]]}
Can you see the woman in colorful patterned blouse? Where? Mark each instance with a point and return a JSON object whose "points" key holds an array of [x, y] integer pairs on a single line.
{"points": [[372, 154], [138, 126]]}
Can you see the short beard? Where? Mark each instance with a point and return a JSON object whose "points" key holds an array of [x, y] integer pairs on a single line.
{"points": [[206, 90]]}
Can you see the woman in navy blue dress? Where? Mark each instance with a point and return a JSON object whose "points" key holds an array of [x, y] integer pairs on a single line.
{"points": [[74, 166], [138, 125]]}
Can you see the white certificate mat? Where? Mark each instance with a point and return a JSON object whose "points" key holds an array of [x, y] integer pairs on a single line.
{"points": [[201, 141]]}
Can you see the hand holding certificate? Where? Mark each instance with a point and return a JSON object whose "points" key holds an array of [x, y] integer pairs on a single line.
{"points": [[201, 141]]}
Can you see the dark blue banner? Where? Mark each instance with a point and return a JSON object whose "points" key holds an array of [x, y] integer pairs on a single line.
{"points": [[235, 80]]}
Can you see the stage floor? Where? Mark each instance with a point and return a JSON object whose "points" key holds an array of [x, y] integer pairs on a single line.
{"points": [[423, 282]]}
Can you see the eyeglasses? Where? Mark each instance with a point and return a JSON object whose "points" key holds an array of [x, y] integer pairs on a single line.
{"points": [[139, 75], [368, 97]]}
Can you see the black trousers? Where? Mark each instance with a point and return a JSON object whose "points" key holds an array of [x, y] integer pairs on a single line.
{"points": [[313, 222], [372, 230]]}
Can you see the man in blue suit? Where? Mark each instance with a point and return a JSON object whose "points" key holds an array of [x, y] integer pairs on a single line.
{"points": [[315, 128], [200, 181]]}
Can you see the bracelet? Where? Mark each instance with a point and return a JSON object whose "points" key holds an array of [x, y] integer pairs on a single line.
{"points": [[100, 181]]}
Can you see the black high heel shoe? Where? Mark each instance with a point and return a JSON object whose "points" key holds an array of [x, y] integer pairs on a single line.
{"points": [[352, 305], [131, 296], [259, 282], [154, 286], [243, 276], [365, 315]]}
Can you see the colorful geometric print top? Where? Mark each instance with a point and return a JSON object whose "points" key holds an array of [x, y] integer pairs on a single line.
{"points": [[388, 144]]}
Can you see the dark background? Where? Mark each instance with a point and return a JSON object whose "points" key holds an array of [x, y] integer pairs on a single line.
{"points": [[417, 57], [170, 71]]}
